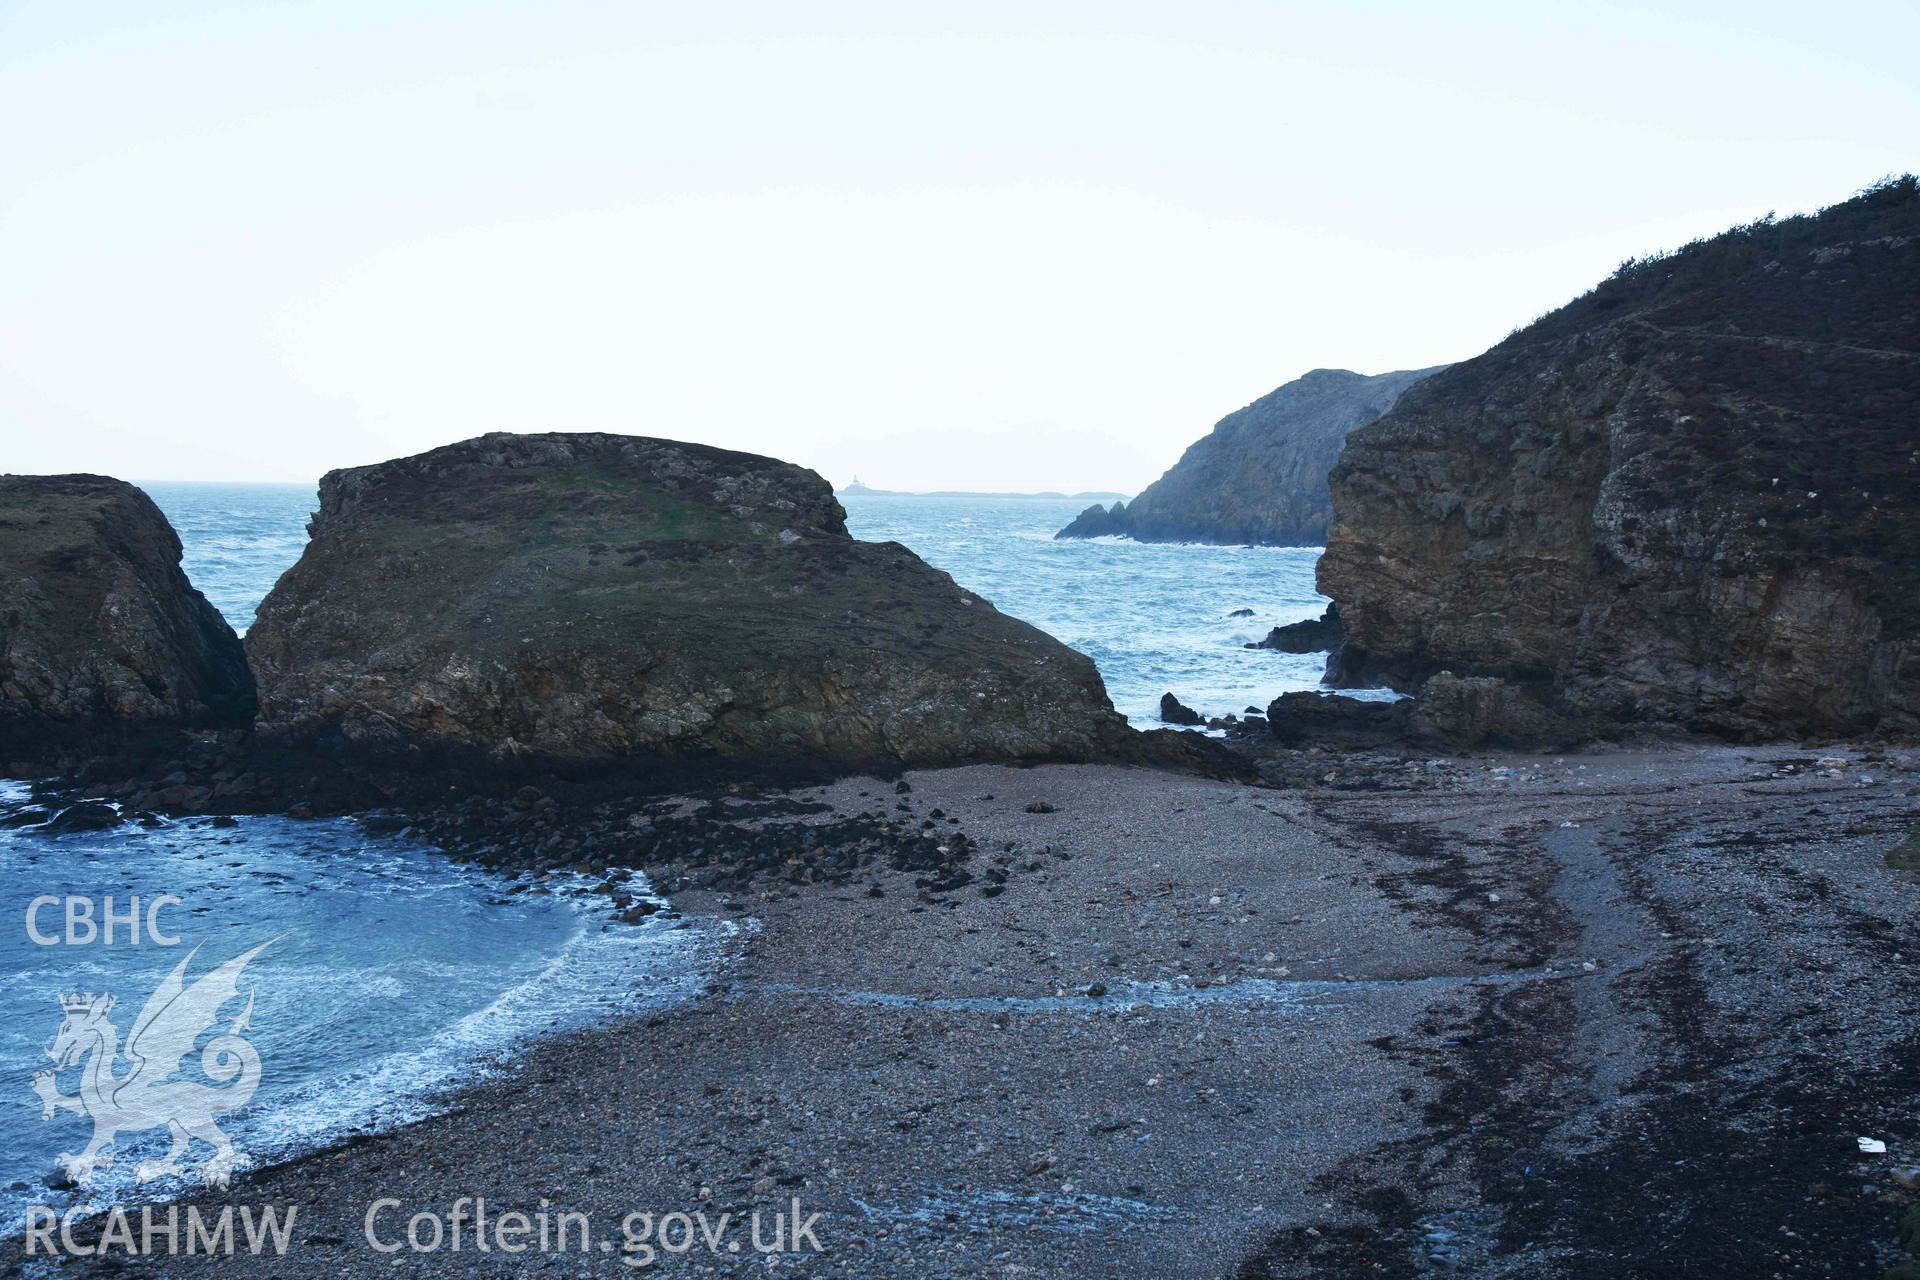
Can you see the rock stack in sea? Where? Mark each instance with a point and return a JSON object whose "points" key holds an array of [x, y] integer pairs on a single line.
{"points": [[102, 638], [602, 599], [1261, 476], [1323, 634], [1689, 498]]}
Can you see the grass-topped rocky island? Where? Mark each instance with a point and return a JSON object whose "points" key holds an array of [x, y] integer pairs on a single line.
{"points": [[579, 600]]}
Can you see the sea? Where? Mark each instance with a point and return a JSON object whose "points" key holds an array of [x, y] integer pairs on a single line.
{"points": [[388, 975], [1154, 617]]}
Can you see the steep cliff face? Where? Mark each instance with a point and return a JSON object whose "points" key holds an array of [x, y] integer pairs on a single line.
{"points": [[597, 597], [1690, 497], [1261, 475], [102, 638]]}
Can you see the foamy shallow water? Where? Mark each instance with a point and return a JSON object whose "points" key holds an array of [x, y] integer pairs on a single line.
{"points": [[393, 974]]}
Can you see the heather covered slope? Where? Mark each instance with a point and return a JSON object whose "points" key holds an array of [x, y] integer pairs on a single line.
{"points": [[591, 597], [102, 638], [1261, 475], [1690, 497]]}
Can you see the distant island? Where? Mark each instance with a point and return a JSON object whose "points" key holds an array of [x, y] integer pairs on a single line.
{"points": [[858, 490]]}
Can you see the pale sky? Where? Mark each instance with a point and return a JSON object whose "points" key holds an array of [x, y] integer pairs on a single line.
{"points": [[980, 245]]}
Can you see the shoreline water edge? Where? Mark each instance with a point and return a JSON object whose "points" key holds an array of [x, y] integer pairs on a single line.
{"points": [[949, 1073]]}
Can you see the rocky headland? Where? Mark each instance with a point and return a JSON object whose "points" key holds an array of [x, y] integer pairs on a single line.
{"points": [[1260, 477], [1689, 499], [102, 638], [594, 599]]}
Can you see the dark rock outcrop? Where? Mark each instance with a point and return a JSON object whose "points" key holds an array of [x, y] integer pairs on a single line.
{"points": [[1306, 718], [102, 638], [1451, 712], [1173, 711], [1467, 713], [1689, 498], [90, 815], [1097, 522], [1261, 476], [522, 601], [1315, 635]]}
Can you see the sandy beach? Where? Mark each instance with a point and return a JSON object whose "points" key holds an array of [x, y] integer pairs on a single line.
{"points": [[1621, 1013]]}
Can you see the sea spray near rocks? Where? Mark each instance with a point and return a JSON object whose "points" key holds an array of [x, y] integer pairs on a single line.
{"points": [[451, 969]]}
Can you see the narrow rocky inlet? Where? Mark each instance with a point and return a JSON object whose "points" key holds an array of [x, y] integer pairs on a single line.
{"points": [[486, 789], [1625, 1013]]}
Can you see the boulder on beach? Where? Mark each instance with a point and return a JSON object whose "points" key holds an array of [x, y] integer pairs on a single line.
{"points": [[1471, 712], [102, 638], [1309, 718], [1453, 712], [530, 600], [1689, 498]]}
